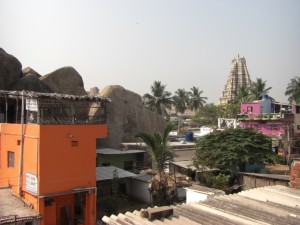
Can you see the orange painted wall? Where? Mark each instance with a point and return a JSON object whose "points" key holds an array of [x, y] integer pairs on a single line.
{"points": [[63, 167], [10, 134], [49, 154]]}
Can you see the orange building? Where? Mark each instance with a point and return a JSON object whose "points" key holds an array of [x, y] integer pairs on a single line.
{"points": [[48, 153]]}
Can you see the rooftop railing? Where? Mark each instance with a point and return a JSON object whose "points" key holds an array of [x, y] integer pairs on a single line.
{"points": [[261, 116]]}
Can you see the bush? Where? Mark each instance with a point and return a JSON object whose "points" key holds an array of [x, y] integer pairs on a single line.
{"points": [[220, 181]]}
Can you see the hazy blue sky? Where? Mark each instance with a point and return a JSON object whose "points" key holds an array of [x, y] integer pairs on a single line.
{"points": [[132, 43]]}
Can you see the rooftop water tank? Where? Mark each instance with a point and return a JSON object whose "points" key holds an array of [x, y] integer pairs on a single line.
{"points": [[265, 97]]}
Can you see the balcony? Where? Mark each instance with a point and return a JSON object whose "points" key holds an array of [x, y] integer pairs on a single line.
{"points": [[261, 116]]}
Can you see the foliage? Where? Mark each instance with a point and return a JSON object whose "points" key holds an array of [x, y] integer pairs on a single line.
{"points": [[242, 94], [195, 99], [230, 110], [115, 184], [258, 88], [231, 149], [161, 154], [160, 100], [158, 146], [109, 205], [180, 100], [207, 115], [220, 181], [293, 90]]}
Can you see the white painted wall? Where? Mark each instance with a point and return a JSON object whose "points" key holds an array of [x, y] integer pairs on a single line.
{"points": [[195, 196], [139, 190]]}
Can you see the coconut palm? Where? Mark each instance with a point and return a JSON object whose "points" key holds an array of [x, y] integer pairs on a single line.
{"points": [[195, 99], [160, 100], [158, 148], [293, 90], [180, 100], [258, 89], [242, 94]]}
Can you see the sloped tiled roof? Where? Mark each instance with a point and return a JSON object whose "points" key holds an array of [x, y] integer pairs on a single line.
{"points": [[266, 205]]}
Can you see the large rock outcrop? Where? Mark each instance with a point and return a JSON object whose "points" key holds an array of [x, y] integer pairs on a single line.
{"points": [[65, 80], [29, 70], [10, 70], [126, 116], [31, 82]]}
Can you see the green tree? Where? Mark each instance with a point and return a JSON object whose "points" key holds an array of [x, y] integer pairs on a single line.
{"points": [[293, 90], [160, 100], [230, 110], [195, 99], [158, 148], [180, 100], [232, 149], [207, 115], [242, 94], [258, 88], [161, 154]]}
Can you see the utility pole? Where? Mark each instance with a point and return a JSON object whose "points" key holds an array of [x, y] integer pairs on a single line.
{"points": [[288, 145]]}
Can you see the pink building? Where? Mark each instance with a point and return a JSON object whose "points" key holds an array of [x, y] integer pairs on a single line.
{"points": [[277, 120]]}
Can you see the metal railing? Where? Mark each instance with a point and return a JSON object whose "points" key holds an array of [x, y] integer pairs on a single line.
{"points": [[260, 116]]}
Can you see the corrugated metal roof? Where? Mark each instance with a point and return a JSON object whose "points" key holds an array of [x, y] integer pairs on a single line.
{"points": [[144, 177], [266, 205], [107, 172], [111, 151], [203, 189], [270, 176]]}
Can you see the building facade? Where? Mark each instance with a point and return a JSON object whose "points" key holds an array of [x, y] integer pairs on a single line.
{"points": [[238, 76], [47, 153], [276, 120]]}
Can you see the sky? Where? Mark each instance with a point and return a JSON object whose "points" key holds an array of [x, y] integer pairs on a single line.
{"points": [[132, 43]]}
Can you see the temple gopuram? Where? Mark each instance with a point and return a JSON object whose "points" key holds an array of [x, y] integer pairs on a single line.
{"points": [[238, 76]]}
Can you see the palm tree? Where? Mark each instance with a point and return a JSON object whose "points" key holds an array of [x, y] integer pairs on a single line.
{"points": [[180, 100], [158, 148], [160, 100], [242, 94], [293, 90], [258, 88], [195, 99]]}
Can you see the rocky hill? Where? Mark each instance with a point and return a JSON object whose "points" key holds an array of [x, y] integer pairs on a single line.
{"points": [[126, 114]]}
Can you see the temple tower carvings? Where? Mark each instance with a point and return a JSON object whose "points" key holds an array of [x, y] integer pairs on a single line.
{"points": [[238, 76]]}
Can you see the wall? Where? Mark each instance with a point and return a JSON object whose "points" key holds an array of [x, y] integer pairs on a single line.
{"points": [[255, 107], [115, 160], [61, 157], [265, 106], [64, 166], [295, 174], [195, 196], [139, 189], [250, 182], [10, 141]]}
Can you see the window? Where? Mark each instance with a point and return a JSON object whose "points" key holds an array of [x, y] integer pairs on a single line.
{"points": [[11, 159], [128, 165], [298, 127], [249, 109], [74, 143]]}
